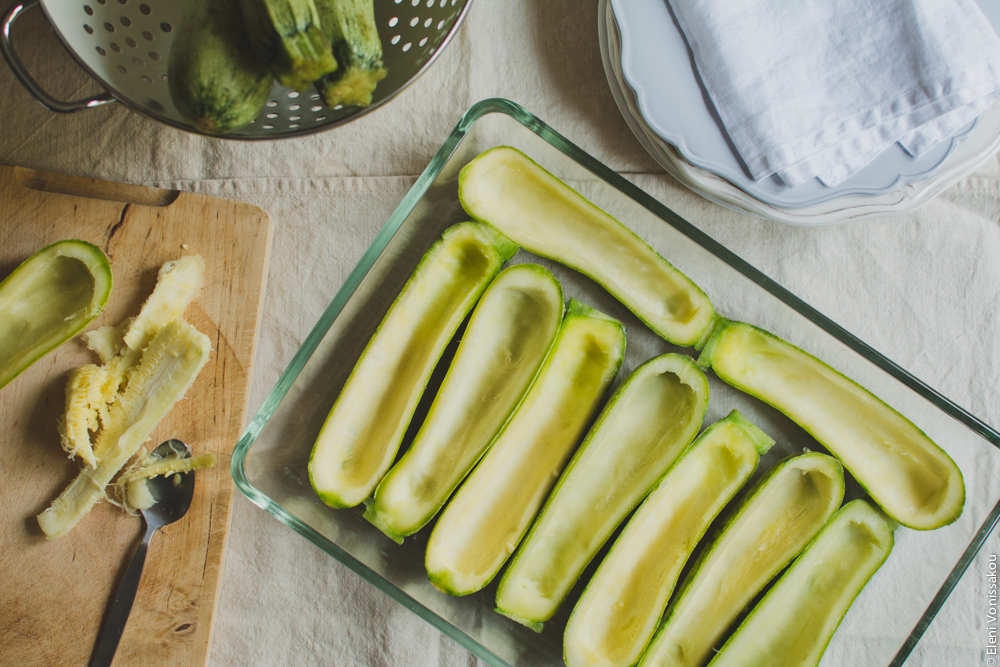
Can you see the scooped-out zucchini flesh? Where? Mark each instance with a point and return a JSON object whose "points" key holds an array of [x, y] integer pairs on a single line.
{"points": [[362, 433], [484, 521], [502, 348], [902, 469], [795, 621], [166, 370], [51, 297], [645, 426], [620, 608], [506, 189], [777, 519]]}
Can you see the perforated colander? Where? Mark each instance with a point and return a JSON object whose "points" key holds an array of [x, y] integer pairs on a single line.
{"points": [[125, 44]]}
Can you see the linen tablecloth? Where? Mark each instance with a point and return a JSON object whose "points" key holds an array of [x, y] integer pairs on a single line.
{"points": [[923, 289]]}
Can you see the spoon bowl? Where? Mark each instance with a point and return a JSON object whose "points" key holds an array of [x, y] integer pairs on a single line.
{"points": [[171, 495], [171, 499]]}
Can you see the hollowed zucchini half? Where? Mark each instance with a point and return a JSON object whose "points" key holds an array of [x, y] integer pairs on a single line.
{"points": [[621, 606], [780, 515], [506, 189], [362, 433], [483, 523], [503, 347], [652, 417], [51, 297], [902, 469], [795, 621]]}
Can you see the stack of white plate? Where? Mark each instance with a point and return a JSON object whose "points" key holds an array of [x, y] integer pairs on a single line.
{"points": [[657, 89]]}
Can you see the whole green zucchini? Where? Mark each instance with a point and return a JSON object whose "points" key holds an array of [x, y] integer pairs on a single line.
{"points": [[350, 27], [215, 80], [287, 35]]}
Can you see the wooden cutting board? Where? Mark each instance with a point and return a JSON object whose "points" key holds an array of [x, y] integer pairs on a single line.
{"points": [[54, 593]]}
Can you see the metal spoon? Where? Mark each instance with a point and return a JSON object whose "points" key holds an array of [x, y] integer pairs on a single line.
{"points": [[172, 498]]}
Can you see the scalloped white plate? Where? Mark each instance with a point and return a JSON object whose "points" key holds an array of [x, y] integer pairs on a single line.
{"points": [[977, 146], [656, 68]]}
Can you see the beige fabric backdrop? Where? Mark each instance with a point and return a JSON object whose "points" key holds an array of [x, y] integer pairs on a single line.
{"points": [[923, 289]]}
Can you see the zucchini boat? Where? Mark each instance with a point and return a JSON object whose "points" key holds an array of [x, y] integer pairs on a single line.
{"points": [[287, 34], [506, 189], [489, 514], [215, 80], [502, 348], [795, 621], [47, 300], [362, 433], [350, 27], [903, 470], [652, 417], [621, 606], [776, 520]]}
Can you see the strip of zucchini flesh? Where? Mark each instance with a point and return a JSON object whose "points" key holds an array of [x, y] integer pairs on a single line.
{"points": [[167, 368], [776, 520], [795, 621], [509, 332], [363, 431], [900, 467], [645, 426], [621, 606], [483, 523], [506, 189], [48, 299]]}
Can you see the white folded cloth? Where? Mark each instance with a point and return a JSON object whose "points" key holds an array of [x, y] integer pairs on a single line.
{"points": [[819, 88]]}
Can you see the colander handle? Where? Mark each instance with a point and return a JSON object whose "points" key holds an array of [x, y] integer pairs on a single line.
{"points": [[46, 100]]}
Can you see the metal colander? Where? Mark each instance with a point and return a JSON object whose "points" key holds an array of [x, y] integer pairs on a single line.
{"points": [[125, 44]]}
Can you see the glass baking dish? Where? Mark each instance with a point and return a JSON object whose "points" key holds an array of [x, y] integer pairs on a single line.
{"points": [[270, 461]]}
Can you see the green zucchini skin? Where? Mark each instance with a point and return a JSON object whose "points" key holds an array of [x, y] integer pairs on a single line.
{"points": [[903, 470], [781, 514], [645, 426], [509, 333], [484, 521], [362, 433], [287, 35], [795, 621], [350, 28], [620, 608], [51, 297], [214, 78], [505, 188]]}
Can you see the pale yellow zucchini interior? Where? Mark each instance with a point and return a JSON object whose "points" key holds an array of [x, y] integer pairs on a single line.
{"points": [[485, 520], [621, 606], [503, 347], [362, 433], [504, 188], [903, 470], [767, 532], [794, 622], [641, 432], [37, 306]]}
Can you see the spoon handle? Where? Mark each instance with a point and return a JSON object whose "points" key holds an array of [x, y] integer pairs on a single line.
{"points": [[114, 622]]}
